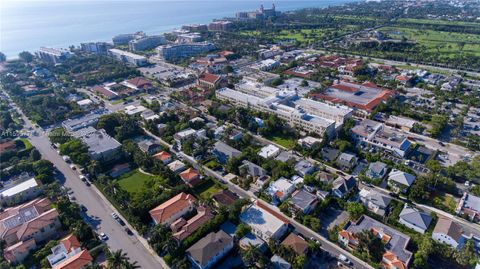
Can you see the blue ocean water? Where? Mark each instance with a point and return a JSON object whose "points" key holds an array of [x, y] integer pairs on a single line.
{"points": [[28, 25]]}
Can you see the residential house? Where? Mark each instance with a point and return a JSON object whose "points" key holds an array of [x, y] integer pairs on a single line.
{"points": [[16, 253], [19, 191], [343, 185], [68, 254], [347, 161], [209, 250], [269, 151], [251, 169], [225, 198], [148, 146], [173, 209], [7, 146], [119, 169], [223, 152], [376, 170], [280, 189], [184, 135], [286, 156], [304, 167], [308, 141], [396, 254], [264, 221], [400, 181], [252, 240], [304, 201], [279, 263], [295, 242], [375, 201], [182, 228], [469, 205], [448, 231], [329, 154], [176, 166], [164, 157], [415, 219], [191, 177]]}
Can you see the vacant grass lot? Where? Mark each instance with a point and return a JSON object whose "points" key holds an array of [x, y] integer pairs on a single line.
{"points": [[206, 189], [287, 142], [133, 181], [449, 44]]}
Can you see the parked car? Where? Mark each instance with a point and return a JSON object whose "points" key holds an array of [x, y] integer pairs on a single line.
{"points": [[128, 231], [73, 167], [344, 259], [83, 208], [103, 237]]}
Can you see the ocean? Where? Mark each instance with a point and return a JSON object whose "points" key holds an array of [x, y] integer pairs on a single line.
{"points": [[30, 24]]}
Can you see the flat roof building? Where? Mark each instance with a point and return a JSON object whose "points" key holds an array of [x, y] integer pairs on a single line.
{"points": [[265, 223], [53, 55], [101, 146], [184, 50], [128, 57], [19, 192], [365, 96], [147, 42]]}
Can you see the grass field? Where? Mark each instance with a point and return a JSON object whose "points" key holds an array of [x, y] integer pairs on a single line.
{"points": [[439, 22], [445, 43], [133, 181], [287, 142], [206, 189], [300, 35]]}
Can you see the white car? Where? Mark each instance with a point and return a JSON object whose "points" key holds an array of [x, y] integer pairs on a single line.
{"points": [[102, 236], [73, 167], [344, 259], [467, 183]]}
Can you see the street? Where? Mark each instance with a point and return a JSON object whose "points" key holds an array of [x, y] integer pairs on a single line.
{"points": [[327, 246], [99, 209]]}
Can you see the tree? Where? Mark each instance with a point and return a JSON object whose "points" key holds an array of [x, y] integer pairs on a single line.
{"points": [[242, 230], [3, 58], [466, 256], [26, 56], [117, 259], [355, 210], [35, 155], [370, 244], [425, 248]]}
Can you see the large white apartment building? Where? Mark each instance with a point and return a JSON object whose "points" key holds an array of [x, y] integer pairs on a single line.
{"points": [[147, 42], [307, 115], [128, 57]]}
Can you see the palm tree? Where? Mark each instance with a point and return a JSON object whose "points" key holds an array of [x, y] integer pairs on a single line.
{"points": [[117, 259], [130, 265]]}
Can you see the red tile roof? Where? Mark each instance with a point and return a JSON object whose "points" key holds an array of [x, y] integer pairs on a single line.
{"points": [[140, 82], [166, 210], [5, 146], [298, 244], [77, 261], [210, 78], [162, 156], [70, 242], [101, 90], [204, 214], [271, 211], [190, 176]]}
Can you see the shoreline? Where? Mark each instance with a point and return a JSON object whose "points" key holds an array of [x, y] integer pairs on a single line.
{"points": [[154, 29]]}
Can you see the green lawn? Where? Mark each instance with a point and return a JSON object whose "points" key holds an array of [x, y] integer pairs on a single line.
{"points": [[116, 102], [448, 44], [133, 181], [439, 22], [287, 142], [300, 35], [206, 189], [26, 143]]}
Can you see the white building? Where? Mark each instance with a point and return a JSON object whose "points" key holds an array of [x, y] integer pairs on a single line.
{"points": [[295, 116], [19, 192], [264, 222], [53, 55], [269, 151], [281, 189], [147, 42], [128, 57]]}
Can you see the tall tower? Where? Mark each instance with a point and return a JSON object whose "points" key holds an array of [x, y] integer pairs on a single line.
{"points": [[273, 6], [261, 8]]}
